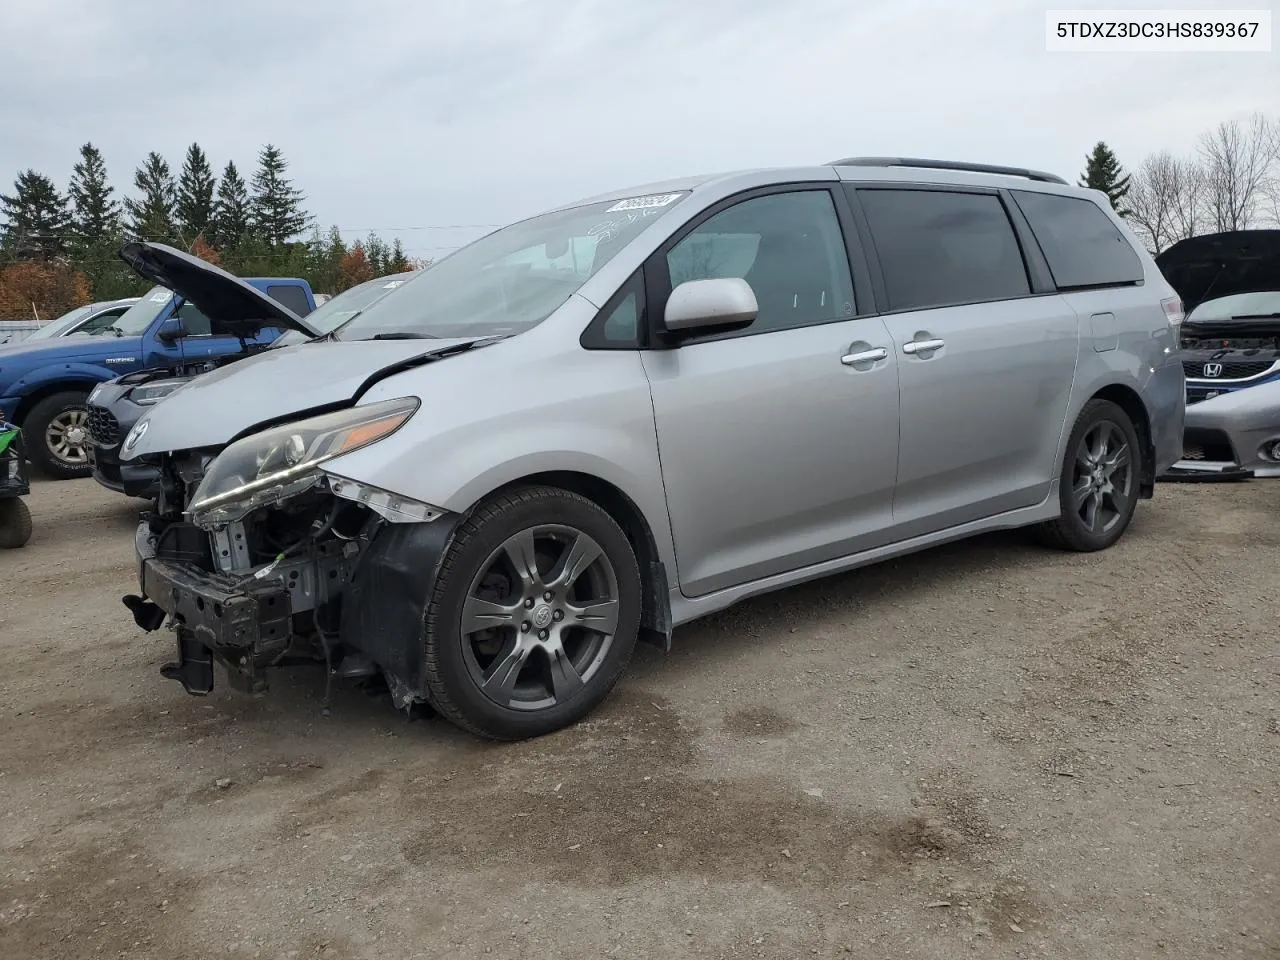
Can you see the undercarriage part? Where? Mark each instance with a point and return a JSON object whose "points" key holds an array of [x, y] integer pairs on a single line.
{"points": [[193, 668]]}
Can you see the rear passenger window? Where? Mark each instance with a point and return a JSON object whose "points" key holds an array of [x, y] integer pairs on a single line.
{"points": [[938, 248], [1084, 248], [292, 297]]}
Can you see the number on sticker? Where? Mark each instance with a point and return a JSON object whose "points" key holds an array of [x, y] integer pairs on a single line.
{"points": [[645, 203]]}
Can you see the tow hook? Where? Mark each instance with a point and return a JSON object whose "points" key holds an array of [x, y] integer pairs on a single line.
{"points": [[145, 613]]}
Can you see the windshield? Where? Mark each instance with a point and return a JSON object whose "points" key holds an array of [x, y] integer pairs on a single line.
{"points": [[134, 321], [512, 279], [54, 327], [1236, 305], [336, 311]]}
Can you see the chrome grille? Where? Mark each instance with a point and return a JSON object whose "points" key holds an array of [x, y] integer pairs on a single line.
{"points": [[1231, 369]]}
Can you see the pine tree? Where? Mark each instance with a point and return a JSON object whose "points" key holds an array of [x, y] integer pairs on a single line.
{"points": [[397, 262], [375, 248], [36, 222], [278, 215], [231, 211], [95, 213], [194, 208], [1103, 172], [151, 216]]}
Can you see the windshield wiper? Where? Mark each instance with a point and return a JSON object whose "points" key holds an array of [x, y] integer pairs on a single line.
{"points": [[1258, 316], [403, 335]]}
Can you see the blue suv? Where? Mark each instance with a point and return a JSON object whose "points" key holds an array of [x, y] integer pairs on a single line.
{"points": [[44, 385]]}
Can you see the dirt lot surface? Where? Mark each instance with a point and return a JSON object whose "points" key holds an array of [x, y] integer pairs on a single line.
{"points": [[989, 750]]}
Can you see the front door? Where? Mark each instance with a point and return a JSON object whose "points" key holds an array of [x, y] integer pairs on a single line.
{"points": [[985, 368], [778, 443]]}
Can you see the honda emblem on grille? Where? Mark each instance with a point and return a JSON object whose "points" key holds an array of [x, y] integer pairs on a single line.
{"points": [[1213, 369]]}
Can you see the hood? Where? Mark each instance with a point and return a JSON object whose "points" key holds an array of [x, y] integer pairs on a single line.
{"points": [[57, 349], [218, 406], [1221, 265], [232, 306]]}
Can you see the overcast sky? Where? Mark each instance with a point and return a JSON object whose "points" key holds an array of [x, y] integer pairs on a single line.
{"points": [[411, 117]]}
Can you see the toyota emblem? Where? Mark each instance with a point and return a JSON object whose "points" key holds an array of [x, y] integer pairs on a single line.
{"points": [[1213, 369], [135, 434]]}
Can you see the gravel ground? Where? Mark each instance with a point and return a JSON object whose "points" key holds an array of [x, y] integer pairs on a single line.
{"points": [[989, 750]]}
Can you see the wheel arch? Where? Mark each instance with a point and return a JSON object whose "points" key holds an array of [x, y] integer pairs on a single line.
{"points": [[655, 620], [1130, 401], [74, 384]]}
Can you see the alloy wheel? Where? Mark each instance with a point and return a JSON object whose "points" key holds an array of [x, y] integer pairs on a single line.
{"points": [[67, 437], [540, 617], [1102, 481]]}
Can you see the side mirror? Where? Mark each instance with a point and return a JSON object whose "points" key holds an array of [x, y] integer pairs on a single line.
{"points": [[696, 306], [171, 330]]}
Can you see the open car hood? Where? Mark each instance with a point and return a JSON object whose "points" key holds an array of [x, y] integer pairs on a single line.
{"points": [[1221, 265], [233, 307]]}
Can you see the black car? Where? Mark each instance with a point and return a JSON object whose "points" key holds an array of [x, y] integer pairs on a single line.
{"points": [[114, 407]]}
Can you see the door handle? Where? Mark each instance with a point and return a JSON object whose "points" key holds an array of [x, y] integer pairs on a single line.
{"points": [[864, 356], [922, 346]]}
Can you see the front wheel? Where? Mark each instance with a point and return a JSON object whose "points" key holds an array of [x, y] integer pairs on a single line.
{"points": [[1099, 484], [15, 523], [57, 435], [534, 616]]}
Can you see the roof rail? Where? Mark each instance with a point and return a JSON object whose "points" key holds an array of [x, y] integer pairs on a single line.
{"points": [[947, 165]]}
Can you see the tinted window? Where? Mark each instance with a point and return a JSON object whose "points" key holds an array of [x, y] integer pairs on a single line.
{"points": [[195, 322], [938, 248], [1083, 247], [292, 297], [787, 246]]}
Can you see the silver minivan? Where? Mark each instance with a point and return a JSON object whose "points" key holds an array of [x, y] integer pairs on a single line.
{"points": [[602, 422]]}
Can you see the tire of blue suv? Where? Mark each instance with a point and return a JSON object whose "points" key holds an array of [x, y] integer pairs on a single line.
{"points": [[534, 615], [56, 431], [1100, 480]]}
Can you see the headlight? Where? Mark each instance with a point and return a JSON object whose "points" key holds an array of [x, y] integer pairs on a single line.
{"points": [[284, 461], [152, 393]]}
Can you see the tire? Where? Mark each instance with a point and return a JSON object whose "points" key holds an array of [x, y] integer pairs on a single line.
{"points": [[15, 523], [1085, 492], [64, 414], [463, 660]]}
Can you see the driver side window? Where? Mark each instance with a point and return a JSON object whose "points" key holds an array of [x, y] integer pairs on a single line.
{"points": [[195, 322], [788, 246]]}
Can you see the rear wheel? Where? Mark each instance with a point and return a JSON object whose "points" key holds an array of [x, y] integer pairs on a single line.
{"points": [[15, 523], [534, 616], [57, 435], [1099, 486]]}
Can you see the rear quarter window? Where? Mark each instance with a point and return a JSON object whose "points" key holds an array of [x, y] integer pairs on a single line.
{"points": [[1083, 246], [295, 298]]}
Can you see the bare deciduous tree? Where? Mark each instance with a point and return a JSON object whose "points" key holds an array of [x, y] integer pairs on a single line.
{"points": [[1166, 200], [1238, 162]]}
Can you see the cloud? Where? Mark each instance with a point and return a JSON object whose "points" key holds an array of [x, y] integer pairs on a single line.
{"points": [[441, 113]]}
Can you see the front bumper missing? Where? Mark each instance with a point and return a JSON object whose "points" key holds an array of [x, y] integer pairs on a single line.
{"points": [[244, 626]]}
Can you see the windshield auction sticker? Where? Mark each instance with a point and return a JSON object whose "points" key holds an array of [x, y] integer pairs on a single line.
{"points": [[645, 203]]}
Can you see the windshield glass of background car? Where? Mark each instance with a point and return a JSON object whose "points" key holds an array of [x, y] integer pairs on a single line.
{"points": [[512, 279], [333, 313], [1236, 305], [54, 327], [134, 321]]}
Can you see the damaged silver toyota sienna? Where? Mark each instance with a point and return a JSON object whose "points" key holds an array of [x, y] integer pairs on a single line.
{"points": [[602, 422]]}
